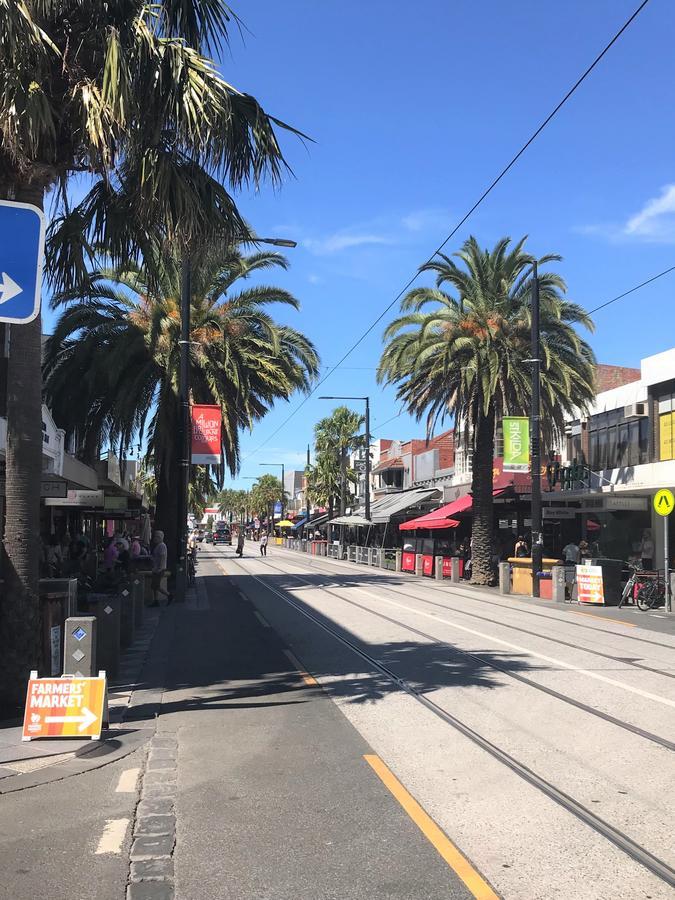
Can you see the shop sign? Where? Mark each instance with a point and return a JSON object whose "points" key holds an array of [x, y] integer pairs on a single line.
{"points": [[78, 498], [54, 488], [64, 707], [590, 586], [516, 430], [408, 562], [553, 512], [447, 567], [206, 441], [570, 478], [664, 502], [116, 503], [428, 565]]}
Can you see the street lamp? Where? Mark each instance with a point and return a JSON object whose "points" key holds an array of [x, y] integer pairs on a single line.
{"points": [[185, 455], [367, 400], [535, 436]]}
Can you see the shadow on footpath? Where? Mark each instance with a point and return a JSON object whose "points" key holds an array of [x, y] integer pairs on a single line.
{"points": [[235, 658]]}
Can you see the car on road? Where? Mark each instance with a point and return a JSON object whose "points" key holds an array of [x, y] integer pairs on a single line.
{"points": [[222, 536]]}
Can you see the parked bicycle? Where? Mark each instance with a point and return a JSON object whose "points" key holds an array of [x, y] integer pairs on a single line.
{"points": [[647, 589]]}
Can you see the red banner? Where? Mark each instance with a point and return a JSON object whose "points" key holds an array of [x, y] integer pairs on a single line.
{"points": [[206, 442], [408, 562], [428, 566]]}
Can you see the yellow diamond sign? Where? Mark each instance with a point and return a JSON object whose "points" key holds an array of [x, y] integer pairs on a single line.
{"points": [[664, 502]]}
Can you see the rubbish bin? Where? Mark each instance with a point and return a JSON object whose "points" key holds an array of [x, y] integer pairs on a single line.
{"points": [[611, 578]]}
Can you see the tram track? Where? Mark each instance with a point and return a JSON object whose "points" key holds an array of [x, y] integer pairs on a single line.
{"points": [[658, 867], [458, 591], [556, 640], [578, 704]]}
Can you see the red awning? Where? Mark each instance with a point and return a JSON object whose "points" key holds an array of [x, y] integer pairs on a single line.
{"points": [[442, 518]]}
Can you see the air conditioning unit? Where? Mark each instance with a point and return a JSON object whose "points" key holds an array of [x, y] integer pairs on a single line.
{"points": [[635, 411]]}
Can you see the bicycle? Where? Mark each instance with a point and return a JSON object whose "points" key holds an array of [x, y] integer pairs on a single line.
{"points": [[651, 595], [191, 568]]}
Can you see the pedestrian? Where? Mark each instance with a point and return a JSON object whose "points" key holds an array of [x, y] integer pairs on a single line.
{"points": [[584, 550], [571, 554], [263, 544], [521, 549], [241, 537], [110, 555], [647, 549], [135, 548], [54, 557], [159, 553]]}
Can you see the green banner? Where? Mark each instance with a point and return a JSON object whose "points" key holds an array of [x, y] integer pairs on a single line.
{"points": [[516, 443]]}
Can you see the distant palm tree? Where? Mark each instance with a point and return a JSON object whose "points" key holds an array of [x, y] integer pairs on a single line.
{"points": [[467, 355], [336, 436], [111, 365]]}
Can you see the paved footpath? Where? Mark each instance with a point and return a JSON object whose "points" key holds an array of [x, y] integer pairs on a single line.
{"points": [[250, 784]]}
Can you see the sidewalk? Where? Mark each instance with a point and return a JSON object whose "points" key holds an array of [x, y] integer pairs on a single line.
{"points": [[29, 759], [271, 793]]}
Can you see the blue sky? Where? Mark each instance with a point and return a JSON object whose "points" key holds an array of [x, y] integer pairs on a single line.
{"points": [[413, 110]]}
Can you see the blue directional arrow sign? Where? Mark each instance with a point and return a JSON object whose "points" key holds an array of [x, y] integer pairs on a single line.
{"points": [[22, 245]]}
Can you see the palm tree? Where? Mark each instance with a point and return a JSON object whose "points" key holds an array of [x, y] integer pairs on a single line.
{"points": [[265, 493], [466, 357], [125, 97], [338, 435], [112, 363], [323, 481]]}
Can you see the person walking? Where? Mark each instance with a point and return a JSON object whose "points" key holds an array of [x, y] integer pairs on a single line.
{"points": [[159, 553], [521, 549], [241, 537], [263, 544], [571, 554]]}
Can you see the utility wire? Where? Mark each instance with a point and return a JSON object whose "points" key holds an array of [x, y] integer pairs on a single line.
{"points": [[632, 290], [461, 222]]}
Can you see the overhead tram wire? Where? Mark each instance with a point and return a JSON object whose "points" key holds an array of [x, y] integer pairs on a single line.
{"points": [[461, 222], [631, 290]]}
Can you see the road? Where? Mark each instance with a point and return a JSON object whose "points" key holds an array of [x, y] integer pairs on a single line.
{"points": [[547, 754], [318, 730]]}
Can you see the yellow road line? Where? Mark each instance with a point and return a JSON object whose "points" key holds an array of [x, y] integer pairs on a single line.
{"points": [[306, 677], [603, 619], [436, 837]]}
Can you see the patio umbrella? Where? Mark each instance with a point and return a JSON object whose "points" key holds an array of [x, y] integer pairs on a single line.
{"points": [[146, 531], [285, 523]]}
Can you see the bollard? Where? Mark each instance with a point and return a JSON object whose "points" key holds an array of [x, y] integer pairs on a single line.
{"points": [[419, 566], [79, 649], [454, 569], [438, 568], [671, 608], [558, 584], [138, 601], [106, 608], [399, 560], [127, 616], [504, 578]]}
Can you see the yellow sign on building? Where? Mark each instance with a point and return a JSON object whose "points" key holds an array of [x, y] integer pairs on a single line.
{"points": [[667, 436]]}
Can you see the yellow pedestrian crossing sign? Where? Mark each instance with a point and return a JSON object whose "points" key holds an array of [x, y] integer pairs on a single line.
{"points": [[664, 502]]}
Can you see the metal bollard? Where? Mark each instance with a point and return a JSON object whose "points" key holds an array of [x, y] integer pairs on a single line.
{"points": [[79, 646], [127, 616], [454, 569], [137, 590], [106, 608], [419, 566], [438, 568], [504, 578], [558, 584]]}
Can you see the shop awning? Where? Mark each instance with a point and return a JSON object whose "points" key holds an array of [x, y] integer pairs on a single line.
{"points": [[299, 523], [442, 518], [355, 521], [395, 504]]}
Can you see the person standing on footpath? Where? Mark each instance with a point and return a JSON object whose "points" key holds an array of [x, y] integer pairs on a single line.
{"points": [[159, 553], [263, 544], [241, 537]]}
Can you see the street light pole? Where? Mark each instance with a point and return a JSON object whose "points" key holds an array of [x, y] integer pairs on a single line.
{"points": [[307, 489], [535, 438], [184, 427]]}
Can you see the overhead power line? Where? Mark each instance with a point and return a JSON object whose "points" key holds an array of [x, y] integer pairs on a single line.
{"points": [[459, 224], [632, 290]]}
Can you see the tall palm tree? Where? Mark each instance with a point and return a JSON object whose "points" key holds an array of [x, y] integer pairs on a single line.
{"points": [[323, 481], [265, 493], [337, 435], [112, 363], [466, 357], [125, 97]]}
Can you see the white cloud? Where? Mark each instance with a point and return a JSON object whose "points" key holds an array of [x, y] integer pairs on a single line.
{"points": [[314, 279], [654, 223], [343, 240], [426, 219], [656, 219]]}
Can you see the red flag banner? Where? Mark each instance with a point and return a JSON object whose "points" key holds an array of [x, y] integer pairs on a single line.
{"points": [[206, 443]]}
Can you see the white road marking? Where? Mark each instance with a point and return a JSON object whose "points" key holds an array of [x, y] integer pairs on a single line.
{"points": [[127, 782], [263, 622], [113, 836]]}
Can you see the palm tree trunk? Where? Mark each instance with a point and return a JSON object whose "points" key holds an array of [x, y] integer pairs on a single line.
{"points": [[483, 514], [20, 643], [343, 482], [166, 508]]}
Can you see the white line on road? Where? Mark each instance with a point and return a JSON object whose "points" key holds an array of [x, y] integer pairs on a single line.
{"points": [[113, 836], [263, 622], [127, 782]]}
